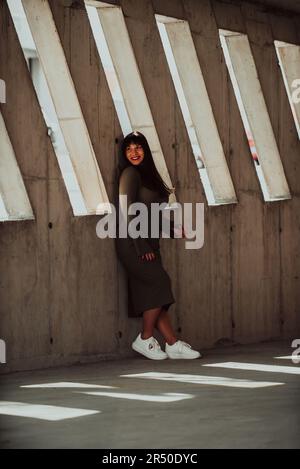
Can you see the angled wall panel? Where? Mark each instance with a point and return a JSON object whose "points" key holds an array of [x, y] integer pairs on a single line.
{"points": [[196, 109], [14, 201], [254, 113], [289, 61], [79, 156], [123, 77]]}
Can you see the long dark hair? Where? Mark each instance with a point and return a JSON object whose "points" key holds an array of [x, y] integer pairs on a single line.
{"points": [[147, 169]]}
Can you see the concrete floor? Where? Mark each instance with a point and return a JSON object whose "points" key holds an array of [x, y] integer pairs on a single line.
{"points": [[208, 416]]}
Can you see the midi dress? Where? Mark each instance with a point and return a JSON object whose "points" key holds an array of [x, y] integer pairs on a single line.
{"points": [[149, 283]]}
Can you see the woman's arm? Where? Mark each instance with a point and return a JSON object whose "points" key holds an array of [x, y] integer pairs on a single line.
{"points": [[174, 228]]}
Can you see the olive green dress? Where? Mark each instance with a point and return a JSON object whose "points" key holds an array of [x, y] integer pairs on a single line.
{"points": [[149, 283]]}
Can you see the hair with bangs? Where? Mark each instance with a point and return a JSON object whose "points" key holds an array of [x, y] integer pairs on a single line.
{"points": [[147, 169]]}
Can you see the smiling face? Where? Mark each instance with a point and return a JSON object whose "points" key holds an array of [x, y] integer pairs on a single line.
{"points": [[134, 153]]}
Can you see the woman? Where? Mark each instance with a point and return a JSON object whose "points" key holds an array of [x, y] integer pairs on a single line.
{"points": [[149, 283]]}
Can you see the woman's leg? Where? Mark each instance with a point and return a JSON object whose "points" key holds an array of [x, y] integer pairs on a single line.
{"points": [[149, 319], [163, 324]]}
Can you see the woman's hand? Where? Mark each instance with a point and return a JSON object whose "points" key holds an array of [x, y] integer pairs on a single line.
{"points": [[180, 230], [149, 256]]}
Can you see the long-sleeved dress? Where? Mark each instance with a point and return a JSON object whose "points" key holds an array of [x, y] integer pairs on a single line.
{"points": [[149, 283]]}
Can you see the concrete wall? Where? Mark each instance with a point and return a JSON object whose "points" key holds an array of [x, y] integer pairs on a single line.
{"points": [[62, 289]]}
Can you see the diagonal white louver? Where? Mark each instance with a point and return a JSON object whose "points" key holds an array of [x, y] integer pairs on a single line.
{"points": [[196, 109], [14, 201], [289, 61], [254, 114], [123, 77], [60, 106]]}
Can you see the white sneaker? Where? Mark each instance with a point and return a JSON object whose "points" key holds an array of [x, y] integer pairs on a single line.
{"points": [[150, 348], [181, 350]]}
